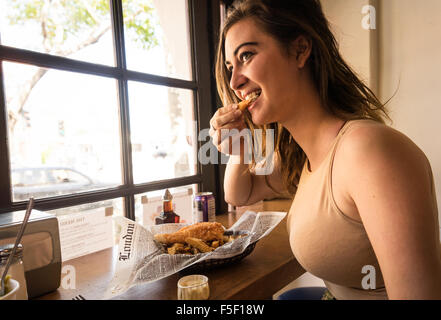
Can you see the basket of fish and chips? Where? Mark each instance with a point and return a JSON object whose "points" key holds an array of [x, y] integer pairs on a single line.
{"points": [[200, 238]]}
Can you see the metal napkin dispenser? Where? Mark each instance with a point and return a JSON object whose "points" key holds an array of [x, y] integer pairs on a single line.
{"points": [[41, 248]]}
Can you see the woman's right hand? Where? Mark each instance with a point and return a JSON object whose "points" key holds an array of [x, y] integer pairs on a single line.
{"points": [[224, 120]]}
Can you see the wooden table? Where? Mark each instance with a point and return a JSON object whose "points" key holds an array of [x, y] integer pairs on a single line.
{"points": [[266, 270]]}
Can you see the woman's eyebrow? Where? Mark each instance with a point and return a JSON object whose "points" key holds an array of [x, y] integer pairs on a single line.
{"points": [[238, 48]]}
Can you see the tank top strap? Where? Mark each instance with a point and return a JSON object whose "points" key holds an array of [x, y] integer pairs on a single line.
{"points": [[345, 127], [337, 139], [328, 174], [342, 131], [331, 153]]}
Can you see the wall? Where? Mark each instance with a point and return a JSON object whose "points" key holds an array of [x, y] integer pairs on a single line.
{"points": [[354, 42], [404, 52], [410, 60]]}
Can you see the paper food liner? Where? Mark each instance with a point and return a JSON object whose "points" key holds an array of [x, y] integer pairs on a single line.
{"points": [[140, 260]]}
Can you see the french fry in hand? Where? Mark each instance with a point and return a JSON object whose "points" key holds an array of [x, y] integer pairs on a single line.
{"points": [[245, 103]]}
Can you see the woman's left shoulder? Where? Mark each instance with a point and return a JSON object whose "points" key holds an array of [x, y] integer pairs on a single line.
{"points": [[370, 143]]}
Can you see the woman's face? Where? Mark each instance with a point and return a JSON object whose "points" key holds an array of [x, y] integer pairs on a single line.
{"points": [[258, 63]]}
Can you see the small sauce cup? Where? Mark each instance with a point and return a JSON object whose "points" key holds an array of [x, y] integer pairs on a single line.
{"points": [[193, 287], [11, 295]]}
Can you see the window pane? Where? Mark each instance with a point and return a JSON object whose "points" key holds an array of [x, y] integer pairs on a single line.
{"points": [[149, 205], [63, 131], [75, 29], [157, 37], [89, 227], [163, 132]]}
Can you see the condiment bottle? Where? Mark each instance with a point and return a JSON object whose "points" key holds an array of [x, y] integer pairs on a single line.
{"points": [[16, 269], [167, 215]]}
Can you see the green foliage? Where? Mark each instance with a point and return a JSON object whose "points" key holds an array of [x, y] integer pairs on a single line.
{"points": [[138, 20], [78, 18]]}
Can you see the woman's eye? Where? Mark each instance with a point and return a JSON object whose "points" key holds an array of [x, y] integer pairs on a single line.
{"points": [[244, 56]]}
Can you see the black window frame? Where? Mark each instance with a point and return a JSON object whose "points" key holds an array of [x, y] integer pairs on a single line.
{"points": [[204, 19]]}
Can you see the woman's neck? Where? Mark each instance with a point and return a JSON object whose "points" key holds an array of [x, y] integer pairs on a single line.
{"points": [[314, 129]]}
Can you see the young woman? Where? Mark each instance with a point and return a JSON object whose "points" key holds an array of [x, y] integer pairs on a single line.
{"points": [[364, 216]]}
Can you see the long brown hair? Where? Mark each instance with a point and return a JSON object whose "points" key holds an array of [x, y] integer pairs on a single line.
{"points": [[340, 89]]}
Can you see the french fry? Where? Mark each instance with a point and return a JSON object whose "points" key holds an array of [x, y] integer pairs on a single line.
{"points": [[245, 103], [215, 244], [175, 248], [199, 244]]}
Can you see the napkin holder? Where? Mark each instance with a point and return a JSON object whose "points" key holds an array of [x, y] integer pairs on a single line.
{"points": [[41, 248]]}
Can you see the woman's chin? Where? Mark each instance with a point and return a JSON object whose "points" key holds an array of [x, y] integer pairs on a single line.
{"points": [[261, 123], [260, 114], [259, 119]]}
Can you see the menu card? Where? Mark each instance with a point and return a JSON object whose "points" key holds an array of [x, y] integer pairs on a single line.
{"points": [[85, 232]]}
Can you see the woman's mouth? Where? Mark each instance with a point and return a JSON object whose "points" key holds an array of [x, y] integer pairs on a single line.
{"points": [[253, 97], [249, 99]]}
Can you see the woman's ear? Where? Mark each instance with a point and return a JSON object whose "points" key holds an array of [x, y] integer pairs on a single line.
{"points": [[301, 48]]}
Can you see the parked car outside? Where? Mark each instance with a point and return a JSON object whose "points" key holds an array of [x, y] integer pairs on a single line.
{"points": [[40, 182]]}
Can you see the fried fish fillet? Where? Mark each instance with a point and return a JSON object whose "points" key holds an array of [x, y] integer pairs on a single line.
{"points": [[205, 231]]}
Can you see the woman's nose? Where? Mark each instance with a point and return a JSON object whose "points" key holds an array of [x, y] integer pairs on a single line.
{"points": [[237, 80]]}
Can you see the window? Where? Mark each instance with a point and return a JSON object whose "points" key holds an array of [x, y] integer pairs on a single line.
{"points": [[102, 101]]}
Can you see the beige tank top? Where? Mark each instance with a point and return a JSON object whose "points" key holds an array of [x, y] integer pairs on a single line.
{"points": [[326, 242]]}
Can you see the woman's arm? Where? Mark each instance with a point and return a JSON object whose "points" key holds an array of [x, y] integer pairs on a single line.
{"points": [[241, 186], [245, 188], [390, 181]]}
